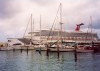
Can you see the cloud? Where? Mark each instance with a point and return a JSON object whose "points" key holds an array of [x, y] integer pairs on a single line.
{"points": [[14, 14], [96, 25], [8, 8]]}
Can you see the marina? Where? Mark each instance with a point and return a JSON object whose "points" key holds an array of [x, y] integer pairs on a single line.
{"points": [[56, 38]]}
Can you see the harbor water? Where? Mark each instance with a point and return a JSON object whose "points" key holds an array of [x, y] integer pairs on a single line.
{"points": [[39, 61]]}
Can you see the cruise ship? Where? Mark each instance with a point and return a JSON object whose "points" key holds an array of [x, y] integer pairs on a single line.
{"points": [[83, 40]]}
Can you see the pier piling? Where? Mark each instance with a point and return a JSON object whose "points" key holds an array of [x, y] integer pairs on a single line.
{"points": [[47, 50], [21, 49], [75, 53], [58, 51], [27, 50], [13, 49]]}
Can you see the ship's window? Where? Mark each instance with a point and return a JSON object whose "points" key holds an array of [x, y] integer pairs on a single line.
{"points": [[17, 44], [9, 40]]}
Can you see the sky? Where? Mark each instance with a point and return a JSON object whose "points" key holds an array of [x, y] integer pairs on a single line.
{"points": [[15, 14]]}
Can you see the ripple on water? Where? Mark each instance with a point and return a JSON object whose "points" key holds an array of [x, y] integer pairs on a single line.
{"points": [[33, 61]]}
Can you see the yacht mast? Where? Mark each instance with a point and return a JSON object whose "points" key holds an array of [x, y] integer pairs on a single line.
{"points": [[61, 24], [31, 30], [40, 28], [61, 16], [91, 28], [60, 30]]}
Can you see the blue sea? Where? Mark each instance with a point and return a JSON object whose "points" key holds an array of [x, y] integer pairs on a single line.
{"points": [[39, 61]]}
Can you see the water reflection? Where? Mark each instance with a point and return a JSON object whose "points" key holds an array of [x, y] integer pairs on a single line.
{"points": [[34, 61]]}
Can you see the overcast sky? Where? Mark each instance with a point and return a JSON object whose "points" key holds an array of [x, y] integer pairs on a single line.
{"points": [[14, 15]]}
